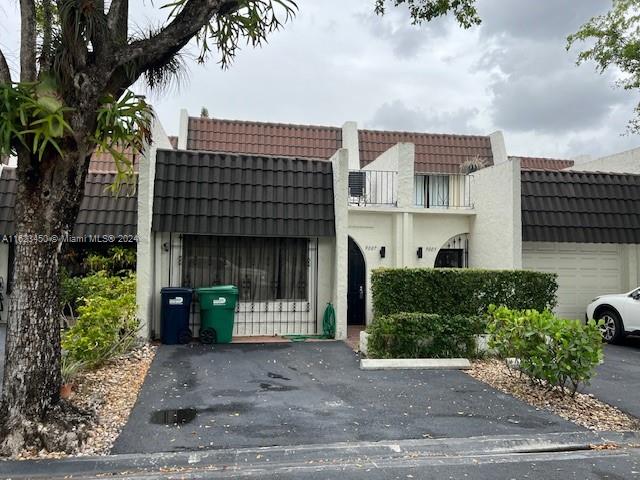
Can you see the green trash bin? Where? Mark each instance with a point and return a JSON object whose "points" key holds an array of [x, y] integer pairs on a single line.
{"points": [[217, 311]]}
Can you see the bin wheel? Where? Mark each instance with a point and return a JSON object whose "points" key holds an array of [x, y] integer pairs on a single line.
{"points": [[207, 336], [185, 337]]}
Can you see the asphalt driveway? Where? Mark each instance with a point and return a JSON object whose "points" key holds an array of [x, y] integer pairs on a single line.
{"points": [[617, 380], [234, 396]]}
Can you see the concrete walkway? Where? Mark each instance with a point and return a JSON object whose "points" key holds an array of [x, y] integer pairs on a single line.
{"points": [[617, 380], [235, 396]]}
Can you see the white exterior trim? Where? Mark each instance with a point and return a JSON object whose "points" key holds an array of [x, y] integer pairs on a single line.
{"points": [[340, 164], [145, 265], [183, 132]]}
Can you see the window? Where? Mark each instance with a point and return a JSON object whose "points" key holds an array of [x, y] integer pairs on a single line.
{"points": [[263, 269], [431, 190]]}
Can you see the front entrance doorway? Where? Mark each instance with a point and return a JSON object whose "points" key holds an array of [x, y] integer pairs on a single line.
{"points": [[450, 258], [357, 285]]}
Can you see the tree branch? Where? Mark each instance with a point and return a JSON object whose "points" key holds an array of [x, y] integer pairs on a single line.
{"points": [[27, 41], [5, 72], [159, 48], [46, 55]]}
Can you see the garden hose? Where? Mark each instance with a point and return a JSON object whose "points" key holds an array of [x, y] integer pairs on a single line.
{"points": [[328, 327]]}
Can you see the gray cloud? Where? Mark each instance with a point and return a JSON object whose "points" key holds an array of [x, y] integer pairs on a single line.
{"points": [[406, 40], [537, 19], [337, 61], [557, 103], [397, 116], [536, 85]]}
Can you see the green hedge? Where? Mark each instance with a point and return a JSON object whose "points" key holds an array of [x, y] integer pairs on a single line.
{"points": [[453, 291], [423, 335]]}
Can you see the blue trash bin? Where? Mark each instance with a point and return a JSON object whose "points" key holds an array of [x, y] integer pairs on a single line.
{"points": [[174, 315]]}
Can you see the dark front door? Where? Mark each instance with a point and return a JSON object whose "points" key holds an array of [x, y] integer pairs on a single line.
{"points": [[356, 289], [449, 258]]}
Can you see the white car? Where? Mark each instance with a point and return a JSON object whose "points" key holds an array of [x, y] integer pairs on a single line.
{"points": [[619, 312]]}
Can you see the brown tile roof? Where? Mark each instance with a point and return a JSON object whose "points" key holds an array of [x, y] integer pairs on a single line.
{"points": [[542, 163], [255, 138], [103, 162], [434, 152], [582, 207]]}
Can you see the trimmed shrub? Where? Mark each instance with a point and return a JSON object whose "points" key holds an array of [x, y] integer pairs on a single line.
{"points": [[552, 352], [423, 335], [454, 291]]}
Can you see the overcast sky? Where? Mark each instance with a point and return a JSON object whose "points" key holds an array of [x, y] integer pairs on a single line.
{"points": [[337, 61]]}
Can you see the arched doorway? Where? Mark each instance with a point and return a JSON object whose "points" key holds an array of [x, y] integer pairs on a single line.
{"points": [[454, 253], [356, 296]]}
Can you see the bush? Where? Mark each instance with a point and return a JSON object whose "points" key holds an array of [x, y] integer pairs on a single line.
{"points": [[117, 260], [74, 290], [106, 325], [553, 352], [422, 335], [466, 292]]}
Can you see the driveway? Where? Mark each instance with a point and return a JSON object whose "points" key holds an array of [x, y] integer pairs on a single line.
{"points": [[234, 396], [617, 380]]}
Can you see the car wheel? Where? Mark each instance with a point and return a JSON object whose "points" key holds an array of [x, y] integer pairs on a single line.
{"points": [[611, 328]]}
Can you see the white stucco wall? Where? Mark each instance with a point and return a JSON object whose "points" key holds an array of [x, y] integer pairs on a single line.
{"points": [[351, 142], [325, 278], [496, 229], [498, 147], [624, 162], [145, 265], [340, 165], [431, 232]]}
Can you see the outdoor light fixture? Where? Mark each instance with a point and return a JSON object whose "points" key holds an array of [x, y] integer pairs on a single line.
{"points": [[419, 252], [383, 252]]}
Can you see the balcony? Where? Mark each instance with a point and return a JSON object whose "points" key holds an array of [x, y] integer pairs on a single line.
{"points": [[373, 188], [377, 188], [442, 191]]}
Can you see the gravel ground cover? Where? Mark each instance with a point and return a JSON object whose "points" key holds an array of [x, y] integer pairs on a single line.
{"points": [[110, 392], [583, 409]]}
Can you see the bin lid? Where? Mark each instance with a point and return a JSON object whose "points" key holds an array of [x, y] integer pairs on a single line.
{"points": [[218, 289], [176, 290]]}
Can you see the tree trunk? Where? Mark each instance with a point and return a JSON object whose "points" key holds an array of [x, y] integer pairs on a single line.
{"points": [[46, 204]]}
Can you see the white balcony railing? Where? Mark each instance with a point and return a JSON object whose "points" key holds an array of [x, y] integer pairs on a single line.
{"points": [[373, 188], [443, 191]]}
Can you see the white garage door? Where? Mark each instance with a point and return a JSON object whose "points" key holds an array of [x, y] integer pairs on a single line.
{"points": [[584, 271]]}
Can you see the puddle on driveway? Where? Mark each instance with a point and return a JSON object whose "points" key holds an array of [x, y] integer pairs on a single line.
{"points": [[174, 417], [271, 387], [187, 415]]}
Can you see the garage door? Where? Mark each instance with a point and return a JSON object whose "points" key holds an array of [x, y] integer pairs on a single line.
{"points": [[584, 271]]}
